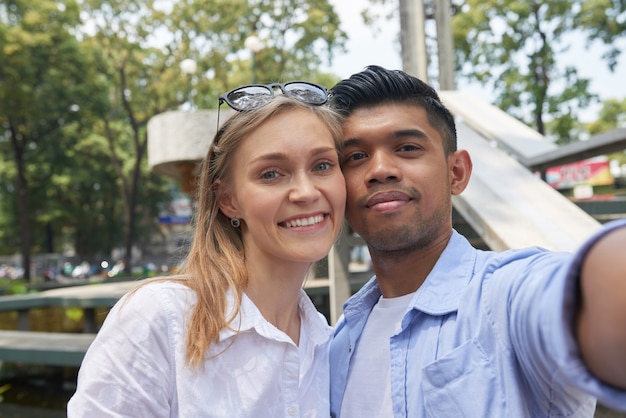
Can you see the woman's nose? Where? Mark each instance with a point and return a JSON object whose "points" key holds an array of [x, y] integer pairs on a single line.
{"points": [[304, 189]]}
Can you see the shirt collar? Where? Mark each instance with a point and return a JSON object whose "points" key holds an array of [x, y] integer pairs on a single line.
{"points": [[250, 318], [441, 291]]}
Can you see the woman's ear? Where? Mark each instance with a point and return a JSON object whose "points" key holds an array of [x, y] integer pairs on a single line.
{"points": [[226, 202], [460, 164]]}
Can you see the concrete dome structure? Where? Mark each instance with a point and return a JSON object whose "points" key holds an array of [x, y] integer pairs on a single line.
{"points": [[179, 140]]}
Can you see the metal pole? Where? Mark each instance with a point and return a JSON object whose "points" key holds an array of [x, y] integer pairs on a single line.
{"points": [[445, 49], [413, 38], [254, 45], [338, 275], [189, 67], [253, 67]]}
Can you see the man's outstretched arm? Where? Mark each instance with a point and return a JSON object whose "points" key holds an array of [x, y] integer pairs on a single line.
{"points": [[601, 325]]}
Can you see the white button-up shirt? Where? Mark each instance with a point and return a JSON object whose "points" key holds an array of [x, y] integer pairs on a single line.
{"points": [[136, 366]]}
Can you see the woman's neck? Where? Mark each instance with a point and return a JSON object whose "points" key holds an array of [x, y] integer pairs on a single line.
{"points": [[276, 294]]}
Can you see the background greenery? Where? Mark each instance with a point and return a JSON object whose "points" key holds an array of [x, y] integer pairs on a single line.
{"points": [[80, 79]]}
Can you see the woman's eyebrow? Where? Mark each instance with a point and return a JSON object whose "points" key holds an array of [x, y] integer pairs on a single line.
{"points": [[278, 156]]}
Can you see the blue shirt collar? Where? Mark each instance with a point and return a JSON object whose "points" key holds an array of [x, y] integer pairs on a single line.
{"points": [[440, 294]]}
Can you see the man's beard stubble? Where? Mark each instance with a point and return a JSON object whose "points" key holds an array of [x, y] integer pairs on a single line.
{"points": [[398, 241]]}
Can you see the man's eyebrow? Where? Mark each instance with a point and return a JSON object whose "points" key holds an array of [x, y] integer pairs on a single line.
{"points": [[352, 141], [402, 133], [416, 133]]}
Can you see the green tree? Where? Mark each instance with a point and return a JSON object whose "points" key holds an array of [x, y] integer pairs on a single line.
{"points": [[296, 36], [46, 80], [512, 46], [77, 95], [142, 44], [604, 20], [612, 115]]}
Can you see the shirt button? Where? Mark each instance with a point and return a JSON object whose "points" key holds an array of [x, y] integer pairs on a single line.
{"points": [[292, 411]]}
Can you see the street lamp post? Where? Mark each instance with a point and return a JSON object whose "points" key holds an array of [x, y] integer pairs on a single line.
{"points": [[189, 67], [254, 45]]}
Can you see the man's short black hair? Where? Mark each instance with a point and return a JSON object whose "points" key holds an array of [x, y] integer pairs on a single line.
{"points": [[376, 85]]}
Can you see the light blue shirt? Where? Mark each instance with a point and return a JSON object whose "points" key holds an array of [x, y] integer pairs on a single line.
{"points": [[488, 334]]}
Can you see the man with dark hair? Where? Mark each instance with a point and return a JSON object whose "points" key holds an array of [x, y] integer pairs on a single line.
{"points": [[444, 329]]}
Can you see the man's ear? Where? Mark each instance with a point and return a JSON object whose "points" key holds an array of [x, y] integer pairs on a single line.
{"points": [[226, 202], [460, 164]]}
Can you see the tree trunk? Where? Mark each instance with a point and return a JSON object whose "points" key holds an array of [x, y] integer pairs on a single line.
{"points": [[21, 188]]}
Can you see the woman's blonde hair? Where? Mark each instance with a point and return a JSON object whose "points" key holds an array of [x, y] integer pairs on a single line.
{"points": [[215, 263]]}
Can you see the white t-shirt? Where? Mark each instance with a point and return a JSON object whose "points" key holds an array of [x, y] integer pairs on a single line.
{"points": [[368, 388], [136, 365]]}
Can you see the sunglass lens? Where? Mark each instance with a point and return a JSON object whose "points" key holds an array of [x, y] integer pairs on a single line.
{"points": [[308, 93], [248, 98]]}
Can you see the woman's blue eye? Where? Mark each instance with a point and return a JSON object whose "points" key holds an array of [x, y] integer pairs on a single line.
{"points": [[324, 166], [269, 175]]}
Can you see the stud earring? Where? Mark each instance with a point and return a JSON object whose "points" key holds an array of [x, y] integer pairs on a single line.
{"points": [[235, 222]]}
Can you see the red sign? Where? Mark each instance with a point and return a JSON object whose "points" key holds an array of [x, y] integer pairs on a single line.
{"points": [[593, 172]]}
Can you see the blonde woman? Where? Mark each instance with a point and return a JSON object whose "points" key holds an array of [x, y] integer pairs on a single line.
{"points": [[235, 335]]}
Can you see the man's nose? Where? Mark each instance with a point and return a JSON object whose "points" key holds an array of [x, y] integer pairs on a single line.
{"points": [[382, 168]]}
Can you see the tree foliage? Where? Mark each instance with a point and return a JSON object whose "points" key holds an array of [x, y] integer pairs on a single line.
{"points": [[81, 79], [605, 21], [47, 87], [143, 43], [612, 115], [513, 46]]}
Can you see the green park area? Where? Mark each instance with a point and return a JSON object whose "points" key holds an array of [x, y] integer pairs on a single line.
{"points": [[80, 80]]}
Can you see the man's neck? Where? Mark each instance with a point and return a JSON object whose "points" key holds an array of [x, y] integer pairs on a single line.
{"points": [[401, 274]]}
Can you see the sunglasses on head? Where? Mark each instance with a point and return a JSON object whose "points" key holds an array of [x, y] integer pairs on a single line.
{"points": [[253, 96]]}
